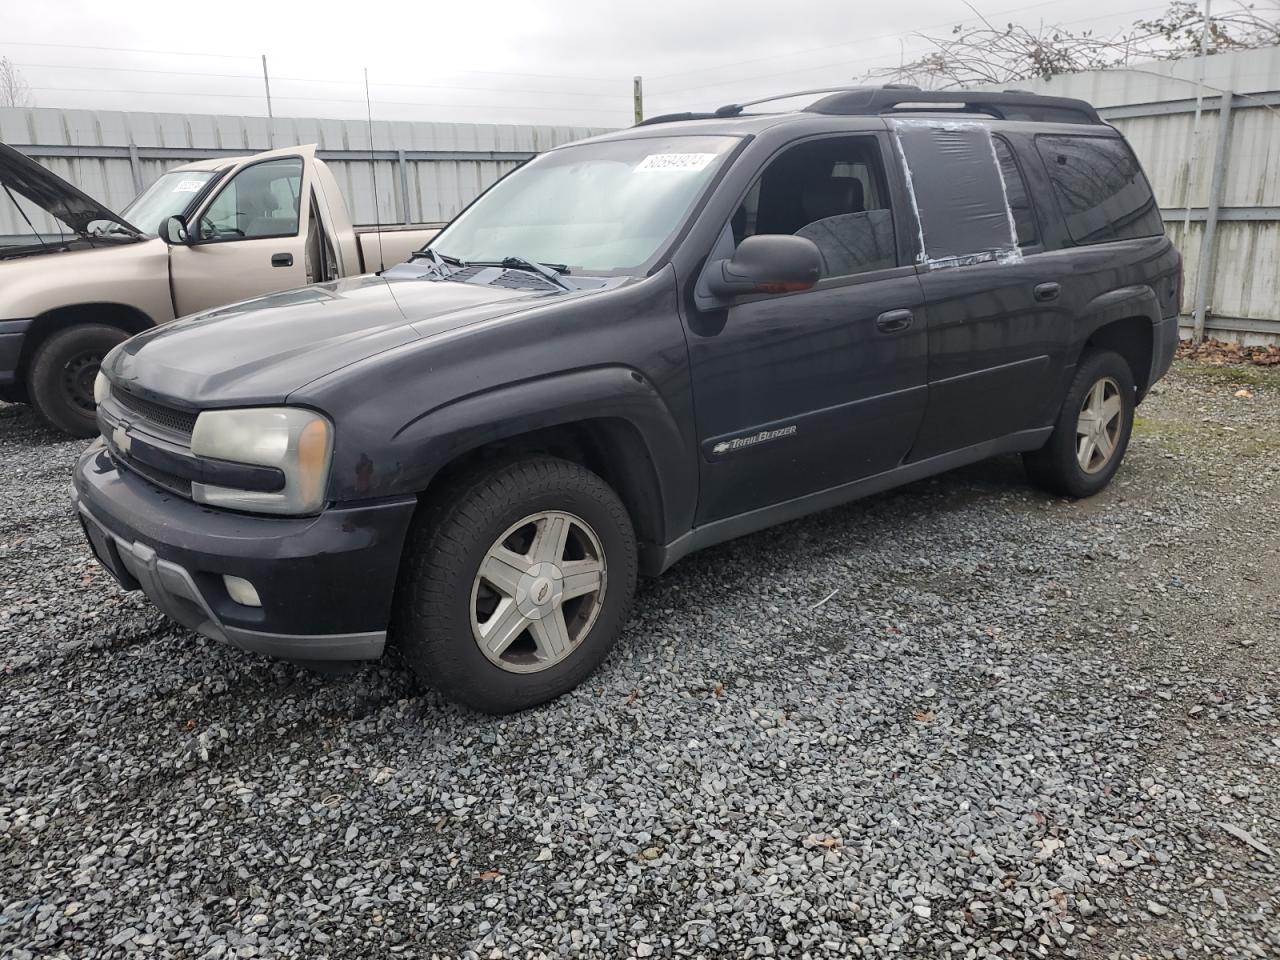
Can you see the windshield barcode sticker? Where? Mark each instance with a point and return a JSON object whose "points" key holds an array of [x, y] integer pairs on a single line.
{"points": [[675, 161], [188, 186]]}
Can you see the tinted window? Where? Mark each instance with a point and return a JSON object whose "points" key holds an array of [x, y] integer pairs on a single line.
{"points": [[260, 201], [1100, 189], [1015, 188], [830, 191]]}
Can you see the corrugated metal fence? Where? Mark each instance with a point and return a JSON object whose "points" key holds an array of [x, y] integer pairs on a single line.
{"points": [[1219, 188], [426, 172]]}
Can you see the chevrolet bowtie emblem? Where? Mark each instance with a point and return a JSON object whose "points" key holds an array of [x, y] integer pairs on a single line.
{"points": [[120, 437]]}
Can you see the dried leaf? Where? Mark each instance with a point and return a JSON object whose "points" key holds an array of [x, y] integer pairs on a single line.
{"points": [[1220, 353], [923, 716], [1244, 394], [490, 875]]}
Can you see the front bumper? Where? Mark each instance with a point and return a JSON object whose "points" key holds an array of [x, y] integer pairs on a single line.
{"points": [[326, 582]]}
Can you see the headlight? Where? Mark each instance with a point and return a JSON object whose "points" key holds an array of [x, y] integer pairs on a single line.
{"points": [[297, 442], [101, 387]]}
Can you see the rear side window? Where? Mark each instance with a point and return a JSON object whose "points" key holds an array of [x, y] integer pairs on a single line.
{"points": [[1100, 189], [1015, 189]]}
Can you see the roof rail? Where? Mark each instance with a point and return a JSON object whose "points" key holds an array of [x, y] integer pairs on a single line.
{"points": [[905, 98], [675, 118], [1004, 105], [734, 109]]}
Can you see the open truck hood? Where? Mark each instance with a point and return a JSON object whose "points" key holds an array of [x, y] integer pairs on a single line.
{"points": [[51, 193]]}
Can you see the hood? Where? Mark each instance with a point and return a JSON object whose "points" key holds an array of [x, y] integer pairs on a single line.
{"points": [[51, 193], [260, 351]]}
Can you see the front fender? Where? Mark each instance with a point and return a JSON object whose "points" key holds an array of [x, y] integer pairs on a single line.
{"points": [[661, 463], [135, 275]]}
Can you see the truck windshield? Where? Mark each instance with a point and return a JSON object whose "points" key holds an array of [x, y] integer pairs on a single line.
{"points": [[607, 207], [169, 196]]}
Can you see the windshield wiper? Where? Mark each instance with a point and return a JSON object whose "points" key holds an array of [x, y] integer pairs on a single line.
{"points": [[441, 261], [548, 271]]}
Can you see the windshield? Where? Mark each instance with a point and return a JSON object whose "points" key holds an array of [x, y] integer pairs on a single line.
{"points": [[603, 207], [167, 197]]}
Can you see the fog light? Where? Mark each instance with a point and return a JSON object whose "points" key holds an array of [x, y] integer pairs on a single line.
{"points": [[241, 590]]}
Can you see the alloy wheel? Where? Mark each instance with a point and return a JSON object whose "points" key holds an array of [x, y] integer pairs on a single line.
{"points": [[1098, 426], [538, 592]]}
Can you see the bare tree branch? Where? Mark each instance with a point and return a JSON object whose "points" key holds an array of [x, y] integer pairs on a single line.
{"points": [[14, 91], [993, 54]]}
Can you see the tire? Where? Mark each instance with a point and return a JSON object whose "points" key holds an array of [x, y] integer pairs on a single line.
{"points": [[60, 381], [445, 604], [1059, 466]]}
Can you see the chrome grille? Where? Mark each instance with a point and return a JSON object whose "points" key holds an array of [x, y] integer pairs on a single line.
{"points": [[175, 421]]}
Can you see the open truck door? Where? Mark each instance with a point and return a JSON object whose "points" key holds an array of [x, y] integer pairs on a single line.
{"points": [[248, 238]]}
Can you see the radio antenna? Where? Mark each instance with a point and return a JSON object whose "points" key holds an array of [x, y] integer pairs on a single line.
{"points": [[373, 170]]}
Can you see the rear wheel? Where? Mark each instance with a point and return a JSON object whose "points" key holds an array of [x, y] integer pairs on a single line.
{"points": [[60, 381], [1092, 433], [517, 585]]}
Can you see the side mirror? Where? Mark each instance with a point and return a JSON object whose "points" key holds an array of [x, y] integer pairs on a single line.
{"points": [[174, 232], [766, 263]]}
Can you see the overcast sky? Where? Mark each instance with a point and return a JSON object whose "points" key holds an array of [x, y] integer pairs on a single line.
{"points": [[568, 62]]}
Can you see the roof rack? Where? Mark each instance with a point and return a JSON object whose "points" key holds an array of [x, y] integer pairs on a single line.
{"points": [[902, 98]]}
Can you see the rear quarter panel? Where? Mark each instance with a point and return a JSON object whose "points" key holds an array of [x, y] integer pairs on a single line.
{"points": [[397, 243]]}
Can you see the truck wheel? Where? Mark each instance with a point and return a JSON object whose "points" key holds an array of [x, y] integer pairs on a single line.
{"points": [[1092, 433], [61, 377], [516, 585]]}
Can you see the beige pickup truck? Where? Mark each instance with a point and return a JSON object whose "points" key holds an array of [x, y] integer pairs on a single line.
{"points": [[203, 235]]}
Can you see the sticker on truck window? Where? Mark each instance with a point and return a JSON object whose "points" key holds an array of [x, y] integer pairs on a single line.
{"points": [[675, 161], [188, 186]]}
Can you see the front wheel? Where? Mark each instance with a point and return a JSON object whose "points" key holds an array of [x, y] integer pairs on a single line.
{"points": [[60, 382], [517, 585], [1092, 433]]}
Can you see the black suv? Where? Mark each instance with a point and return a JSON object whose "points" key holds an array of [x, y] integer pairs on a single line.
{"points": [[629, 349]]}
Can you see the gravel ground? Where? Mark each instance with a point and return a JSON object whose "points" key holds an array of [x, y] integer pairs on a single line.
{"points": [[959, 720]]}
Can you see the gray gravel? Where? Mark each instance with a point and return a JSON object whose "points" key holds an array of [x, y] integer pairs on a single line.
{"points": [[1017, 726]]}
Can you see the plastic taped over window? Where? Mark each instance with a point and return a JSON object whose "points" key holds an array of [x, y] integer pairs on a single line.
{"points": [[958, 192]]}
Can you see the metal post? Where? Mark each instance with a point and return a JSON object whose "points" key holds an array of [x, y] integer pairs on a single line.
{"points": [[135, 168], [1193, 155], [637, 96], [1204, 273], [266, 83], [403, 164]]}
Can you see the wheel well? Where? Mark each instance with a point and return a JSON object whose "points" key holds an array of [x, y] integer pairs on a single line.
{"points": [[1132, 338], [129, 319], [611, 448]]}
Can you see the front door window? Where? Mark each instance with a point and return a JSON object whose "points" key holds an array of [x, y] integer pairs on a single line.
{"points": [[833, 192], [261, 200]]}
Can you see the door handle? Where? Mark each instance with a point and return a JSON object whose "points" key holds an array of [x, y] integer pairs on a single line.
{"points": [[1047, 291], [892, 321], [282, 259]]}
